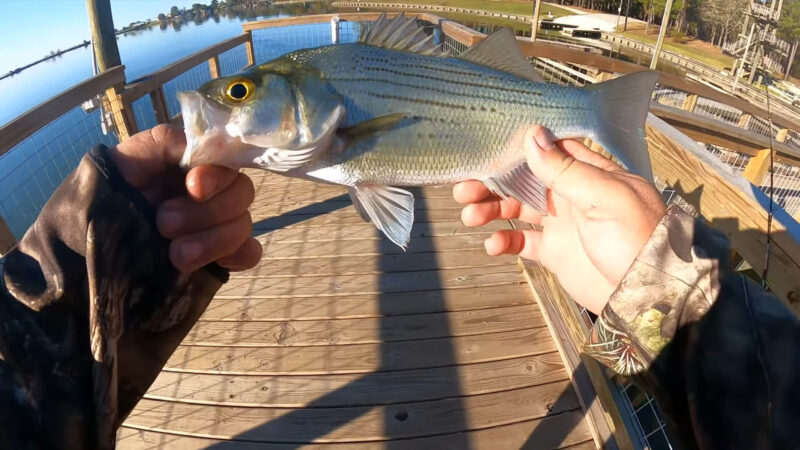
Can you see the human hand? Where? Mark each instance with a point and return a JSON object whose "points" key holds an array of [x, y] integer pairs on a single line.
{"points": [[204, 212], [599, 217]]}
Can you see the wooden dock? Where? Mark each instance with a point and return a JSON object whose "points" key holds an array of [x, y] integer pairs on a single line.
{"points": [[340, 339]]}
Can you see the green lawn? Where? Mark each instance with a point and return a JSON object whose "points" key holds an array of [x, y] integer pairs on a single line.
{"points": [[509, 7], [714, 58]]}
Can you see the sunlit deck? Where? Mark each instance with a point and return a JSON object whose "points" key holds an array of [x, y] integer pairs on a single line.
{"points": [[339, 336]]}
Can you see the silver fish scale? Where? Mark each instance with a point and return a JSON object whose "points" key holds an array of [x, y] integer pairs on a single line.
{"points": [[463, 116]]}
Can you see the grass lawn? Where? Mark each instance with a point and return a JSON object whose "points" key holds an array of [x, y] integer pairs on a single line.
{"points": [[509, 7], [695, 49]]}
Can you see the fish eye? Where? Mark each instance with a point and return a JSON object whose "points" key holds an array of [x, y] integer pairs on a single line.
{"points": [[239, 90]]}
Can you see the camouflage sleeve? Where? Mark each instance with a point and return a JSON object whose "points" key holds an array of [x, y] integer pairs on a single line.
{"points": [[718, 352], [91, 309]]}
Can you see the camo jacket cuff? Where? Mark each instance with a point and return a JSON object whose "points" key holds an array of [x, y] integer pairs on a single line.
{"points": [[671, 283]]}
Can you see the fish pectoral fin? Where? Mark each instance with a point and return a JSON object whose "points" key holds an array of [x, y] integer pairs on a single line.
{"points": [[284, 160], [500, 51], [391, 209], [375, 126], [521, 184]]}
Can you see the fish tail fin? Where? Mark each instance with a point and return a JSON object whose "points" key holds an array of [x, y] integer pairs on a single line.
{"points": [[623, 106]]}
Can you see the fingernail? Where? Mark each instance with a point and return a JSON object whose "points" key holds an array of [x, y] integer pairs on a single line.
{"points": [[486, 245], [169, 221], [190, 251], [208, 184], [545, 140]]}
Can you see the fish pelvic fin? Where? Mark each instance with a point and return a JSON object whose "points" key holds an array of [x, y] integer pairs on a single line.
{"points": [[500, 51], [391, 209], [623, 106], [522, 184], [401, 33]]}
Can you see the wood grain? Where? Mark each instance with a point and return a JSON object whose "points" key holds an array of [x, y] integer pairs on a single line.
{"points": [[566, 430], [330, 390], [361, 358], [350, 306], [363, 330]]}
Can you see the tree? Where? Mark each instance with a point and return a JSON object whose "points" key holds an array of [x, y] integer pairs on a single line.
{"points": [[789, 30], [174, 11], [723, 16], [214, 4], [162, 17]]}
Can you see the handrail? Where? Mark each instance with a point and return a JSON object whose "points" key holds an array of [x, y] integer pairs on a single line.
{"points": [[37, 117], [155, 80]]}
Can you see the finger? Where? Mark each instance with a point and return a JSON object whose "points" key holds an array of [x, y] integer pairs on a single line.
{"points": [[579, 182], [471, 191], [525, 243], [149, 153], [245, 257], [203, 182], [577, 150], [183, 215], [191, 252]]}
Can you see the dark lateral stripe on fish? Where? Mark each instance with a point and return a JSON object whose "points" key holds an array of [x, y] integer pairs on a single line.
{"points": [[447, 80], [416, 100], [460, 72], [444, 91]]}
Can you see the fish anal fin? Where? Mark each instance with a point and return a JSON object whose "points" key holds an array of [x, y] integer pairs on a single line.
{"points": [[521, 184], [401, 33], [500, 51], [391, 209], [374, 126]]}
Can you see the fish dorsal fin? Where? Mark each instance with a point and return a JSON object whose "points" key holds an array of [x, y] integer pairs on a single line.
{"points": [[391, 209], [500, 51], [401, 33]]}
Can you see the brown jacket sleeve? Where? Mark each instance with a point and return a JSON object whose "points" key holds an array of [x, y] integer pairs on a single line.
{"points": [[721, 355], [90, 310]]}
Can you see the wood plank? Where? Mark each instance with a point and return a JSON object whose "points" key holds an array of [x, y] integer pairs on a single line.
{"points": [[275, 249], [358, 284], [152, 81], [731, 205], [7, 238], [269, 208], [37, 117], [363, 306], [570, 332], [559, 431], [363, 330], [337, 265], [336, 390], [367, 231], [341, 217], [361, 358]]}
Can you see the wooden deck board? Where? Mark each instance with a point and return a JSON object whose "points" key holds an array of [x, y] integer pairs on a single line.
{"points": [[340, 339]]}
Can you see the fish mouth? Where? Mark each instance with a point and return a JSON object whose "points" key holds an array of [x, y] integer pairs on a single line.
{"points": [[207, 141]]}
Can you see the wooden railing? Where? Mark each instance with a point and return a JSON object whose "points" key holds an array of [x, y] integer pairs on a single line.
{"points": [[729, 202]]}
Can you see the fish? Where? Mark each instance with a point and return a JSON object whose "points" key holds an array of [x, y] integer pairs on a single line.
{"points": [[394, 110]]}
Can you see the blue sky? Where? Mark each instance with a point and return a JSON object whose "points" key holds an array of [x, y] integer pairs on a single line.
{"points": [[29, 29]]}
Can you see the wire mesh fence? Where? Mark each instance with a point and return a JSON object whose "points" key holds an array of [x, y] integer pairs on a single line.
{"points": [[143, 113], [786, 187], [33, 169], [669, 97], [187, 81], [735, 160], [270, 43], [717, 110], [233, 60]]}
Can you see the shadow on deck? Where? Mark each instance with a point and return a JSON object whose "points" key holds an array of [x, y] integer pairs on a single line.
{"points": [[341, 339]]}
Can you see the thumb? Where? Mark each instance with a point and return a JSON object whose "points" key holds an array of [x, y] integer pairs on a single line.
{"points": [[582, 184]]}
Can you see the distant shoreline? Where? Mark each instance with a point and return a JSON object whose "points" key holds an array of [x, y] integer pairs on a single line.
{"points": [[11, 73]]}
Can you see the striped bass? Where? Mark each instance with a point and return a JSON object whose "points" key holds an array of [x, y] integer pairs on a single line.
{"points": [[393, 110]]}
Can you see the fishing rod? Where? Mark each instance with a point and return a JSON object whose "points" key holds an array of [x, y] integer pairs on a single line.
{"points": [[770, 210]]}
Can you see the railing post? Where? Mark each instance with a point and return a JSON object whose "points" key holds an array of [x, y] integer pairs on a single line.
{"points": [[757, 167], [251, 55], [159, 101], [213, 67], [335, 30], [7, 239], [122, 112], [690, 102], [744, 120]]}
